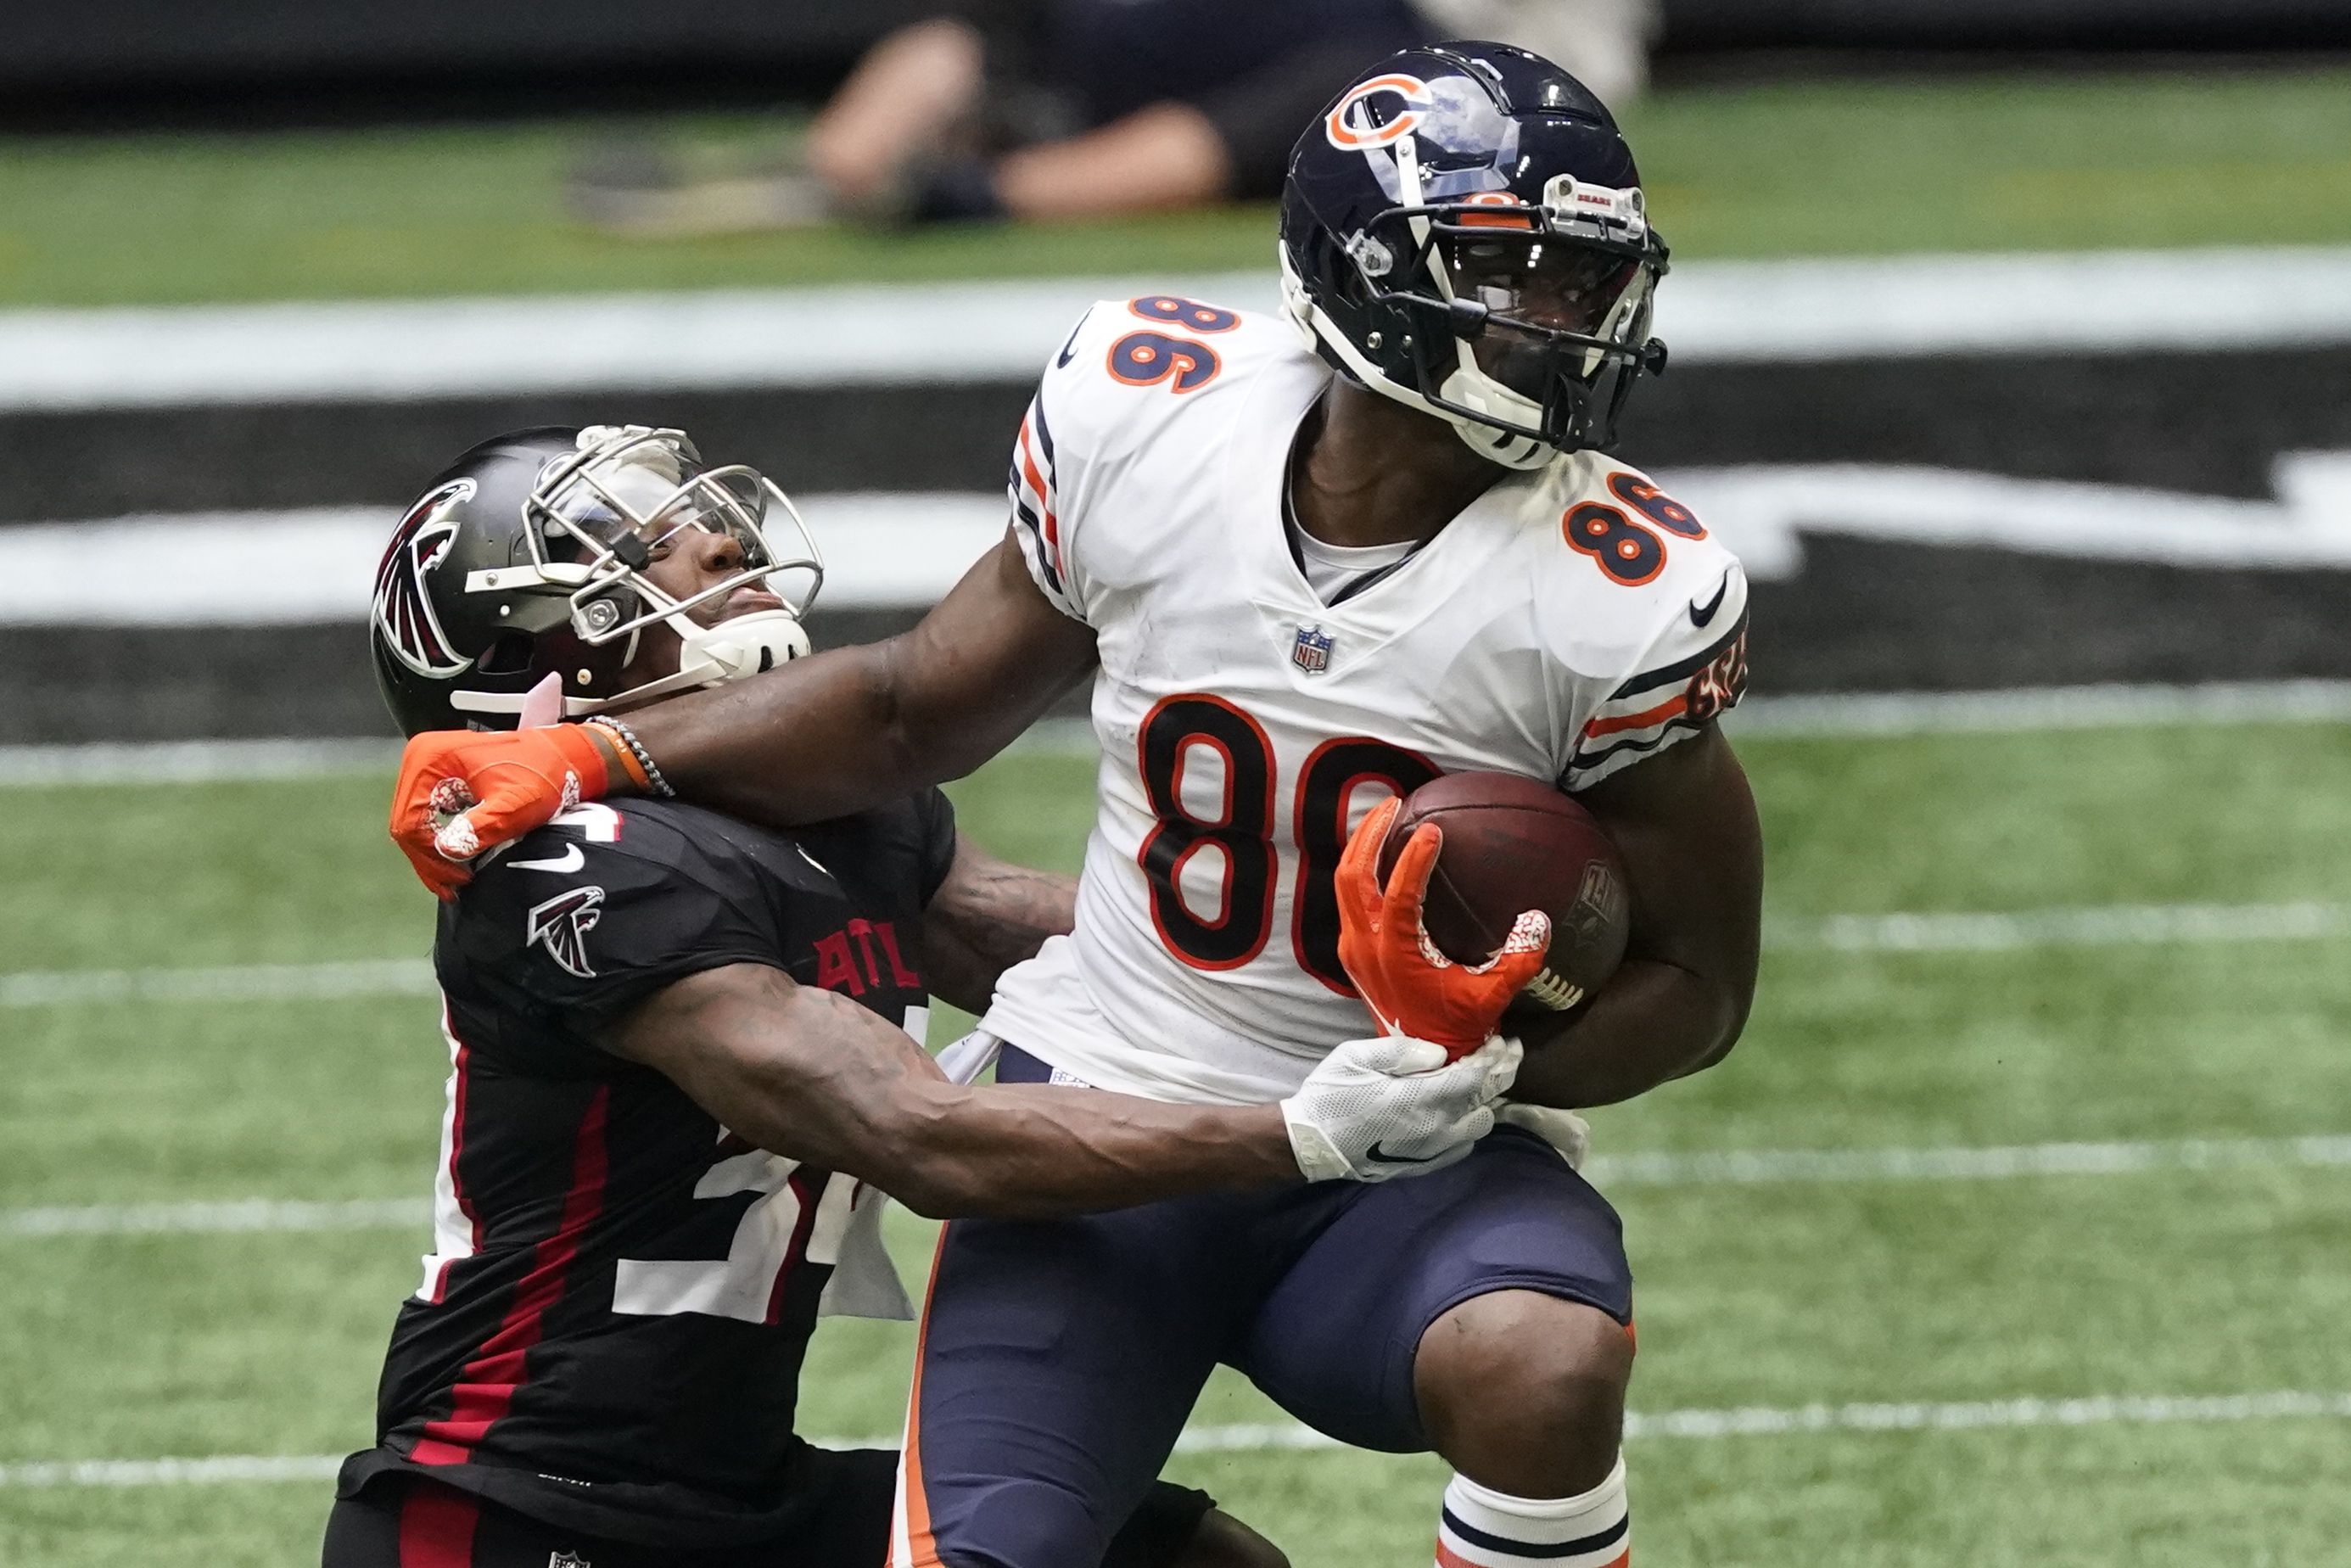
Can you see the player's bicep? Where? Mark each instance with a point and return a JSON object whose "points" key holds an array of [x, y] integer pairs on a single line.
{"points": [[799, 1072], [987, 661], [1685, 821]]}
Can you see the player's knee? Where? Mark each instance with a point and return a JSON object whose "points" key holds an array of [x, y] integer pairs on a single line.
{"points": [[1224, 1541], [1526, 1382]]}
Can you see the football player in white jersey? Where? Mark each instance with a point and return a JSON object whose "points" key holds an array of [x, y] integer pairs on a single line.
{"points": [[1308, 561]]}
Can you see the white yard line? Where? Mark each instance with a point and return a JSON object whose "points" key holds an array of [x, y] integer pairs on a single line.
{"points": [[897, 551], [1835, 715], [1767, 311], [270, 762], [216, 1471], [252, 982], [1759, 1168], [1828, 717], [903, 550], [1731, 1167], [2117, 925], [214, 1218], [1752, 1421], [195, 761], [2110, 926]]}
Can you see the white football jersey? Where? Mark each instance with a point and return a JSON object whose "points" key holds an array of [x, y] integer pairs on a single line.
{"points": [[1572, 623]]}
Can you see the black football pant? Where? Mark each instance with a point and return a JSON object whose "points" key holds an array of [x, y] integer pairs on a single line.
{"points": [[402, 1522]]}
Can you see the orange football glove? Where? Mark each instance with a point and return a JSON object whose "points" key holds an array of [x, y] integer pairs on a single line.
{"points": [[460, 792], [1411, 987]]}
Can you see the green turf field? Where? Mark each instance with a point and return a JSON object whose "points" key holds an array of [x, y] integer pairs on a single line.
{"points": [[2172, 1282], [2054, 162]]}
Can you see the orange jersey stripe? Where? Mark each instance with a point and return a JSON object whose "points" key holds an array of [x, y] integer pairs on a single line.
{"points": [[1672, 708], [920, 1542], [1044, 498]]}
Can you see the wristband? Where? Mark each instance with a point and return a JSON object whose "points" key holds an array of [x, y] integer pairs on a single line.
{"points": [[634, 759]]}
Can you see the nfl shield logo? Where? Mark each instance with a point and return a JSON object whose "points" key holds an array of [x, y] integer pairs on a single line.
{"points": [[565, 1560], [1313, 654]]}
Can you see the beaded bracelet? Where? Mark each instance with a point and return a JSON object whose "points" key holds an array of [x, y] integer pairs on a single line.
{"points": [[653, 781]]}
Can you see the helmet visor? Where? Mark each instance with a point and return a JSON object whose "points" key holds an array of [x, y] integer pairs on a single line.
{"points": [[640, 501], [1550, 298], [641, 496]]}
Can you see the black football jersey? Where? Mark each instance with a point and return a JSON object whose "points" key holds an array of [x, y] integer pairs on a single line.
{"points": [[609, 1330]]}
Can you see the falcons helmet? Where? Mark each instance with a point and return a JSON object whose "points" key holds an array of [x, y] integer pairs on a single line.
{"points": [[1464, 232], [527, 556]]}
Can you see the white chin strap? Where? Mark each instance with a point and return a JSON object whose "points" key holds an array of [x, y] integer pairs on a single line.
{"points": [[1469, 386], [1473, 387], [707, 656], [712, 655]]}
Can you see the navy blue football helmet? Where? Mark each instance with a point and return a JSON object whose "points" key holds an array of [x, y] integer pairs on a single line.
{"points": [[1464, 231]]}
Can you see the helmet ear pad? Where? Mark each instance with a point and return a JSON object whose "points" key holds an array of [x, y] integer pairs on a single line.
{"points": [[540, 637], [590, 669]]}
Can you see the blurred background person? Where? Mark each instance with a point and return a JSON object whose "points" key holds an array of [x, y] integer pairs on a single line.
{"points": [[1043, 110], [1603, 44], [1064, 109]]}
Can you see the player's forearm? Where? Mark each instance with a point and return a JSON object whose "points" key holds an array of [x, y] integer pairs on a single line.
{"points": [[990, 916], [814, 1077], [1651, 1024], [1035, 1152], [821, 737], [852, 727]]}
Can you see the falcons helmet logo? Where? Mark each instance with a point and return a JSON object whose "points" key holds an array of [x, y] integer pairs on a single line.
{"points": [[403, 606], [562, 925]]}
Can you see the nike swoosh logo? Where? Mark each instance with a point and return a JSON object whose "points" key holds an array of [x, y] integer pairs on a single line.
{"points": [[568, 861], [1700, 618], [820, 866], [1386, 1159]]}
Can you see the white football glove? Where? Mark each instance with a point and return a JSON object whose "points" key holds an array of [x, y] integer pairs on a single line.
{"points": [[1376, 1109]]}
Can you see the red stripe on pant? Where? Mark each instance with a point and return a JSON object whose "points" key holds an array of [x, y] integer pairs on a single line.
{"points": [[485, 1390], [436, 1527]]}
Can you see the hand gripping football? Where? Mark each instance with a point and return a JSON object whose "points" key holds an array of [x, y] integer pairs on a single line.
{"points": [[1512, 844]]}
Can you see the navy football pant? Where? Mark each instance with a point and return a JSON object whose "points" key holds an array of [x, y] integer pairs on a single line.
{"points": [[1060, 1358]]}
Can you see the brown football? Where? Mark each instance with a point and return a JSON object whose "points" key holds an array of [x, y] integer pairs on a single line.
{"points": [[1513, 844]]}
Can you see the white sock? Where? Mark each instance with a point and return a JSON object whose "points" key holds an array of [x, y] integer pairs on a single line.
{"points": [[1483, 1528]]}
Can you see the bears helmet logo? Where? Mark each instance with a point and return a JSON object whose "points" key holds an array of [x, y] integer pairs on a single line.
{"points": [[1351, 124]]}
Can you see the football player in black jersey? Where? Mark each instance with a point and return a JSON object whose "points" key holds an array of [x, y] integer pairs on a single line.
{"points": [[686, 1060]]}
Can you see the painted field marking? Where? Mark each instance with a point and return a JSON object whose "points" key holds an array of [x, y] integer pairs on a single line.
{"points": [[903, 550], [1826, 717], [252, 1214], [1728, 1167], [2116, 925], [1700, 1425], [194, 762], [240, 983], [1834, 716], [307, 565], [2096, 925], [1001, 332], [1759, 1168]]}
